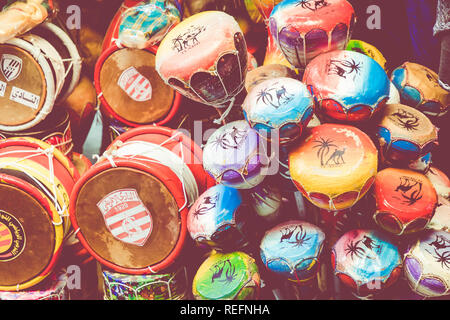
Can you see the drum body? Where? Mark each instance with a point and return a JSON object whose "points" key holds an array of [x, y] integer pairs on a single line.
{"points": [[266, 72], [348, 86], [215, 71], [366, 261], [440, 182], [334, 166], [130, 90], [367, 49], [280, 106], [229, 276], [266, 200], [419, 88], [405, 201], [305, 29], [292, 250]]}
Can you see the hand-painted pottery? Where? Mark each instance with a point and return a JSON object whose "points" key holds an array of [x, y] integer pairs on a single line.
{"points": [[423, 164], [441, 218], [230, 276], [366, 261], [146, 25], [405, 200], [266, 72], [420, 89], [266, 201], [427, 264], [305, 29], [163, 286], [292, 250], [201, 65], [405, 134], [348, 86], [218, 219], [235, 156], [440, 182], [367, 49], [334, 166], [280, 106]]}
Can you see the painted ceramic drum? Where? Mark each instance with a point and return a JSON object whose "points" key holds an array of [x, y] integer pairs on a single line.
{"points": [[441, 218], [348, 86], [218, 219], [146, 24], [440, 182], [266, 200], [394, 95], [366, 261], [292, 250], [162, 286], [367, 49], [266, 72], [427, 264], [405, 134], [334, 166], [405, 200], [280, 106], [420, 89], [211, 69], [234, 155], [305, 29], [230, 276]]}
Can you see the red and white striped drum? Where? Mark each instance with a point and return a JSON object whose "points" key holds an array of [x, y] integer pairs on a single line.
{"points": [[334, 166], [209, 69], [129, 210]]}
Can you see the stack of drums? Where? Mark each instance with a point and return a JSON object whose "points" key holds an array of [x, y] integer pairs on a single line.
{"points": [[129, 210], [36, 181]]}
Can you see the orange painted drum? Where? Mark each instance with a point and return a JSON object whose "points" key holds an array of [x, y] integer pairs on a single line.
{"points": [[405, 200], [334, 166]]}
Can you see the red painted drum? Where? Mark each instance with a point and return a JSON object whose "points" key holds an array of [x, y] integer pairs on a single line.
{"points": [[210, 69], [130, 90], [405, 201], [129, 210], [334, 166]]}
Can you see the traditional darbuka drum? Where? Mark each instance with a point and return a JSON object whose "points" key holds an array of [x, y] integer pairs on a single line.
{"points": [[349, 86], [394, 95], [54, 129], [31, 234], [404, 134], [367, 49], [427, 264], [130, 90], [68, 51], [440, 182], [334, 166], [53, 288], [210, 69], [129, 210], [366, 261], [266, 72], [234, 155], [273, 53], [266, 200], [229, 276], [282, 106], [219, 219], [146, 24], [164, 286], [441, 218], [405, 201], [292, 250], [81, 162], [423, 164], [305, 29], [420, 89]]}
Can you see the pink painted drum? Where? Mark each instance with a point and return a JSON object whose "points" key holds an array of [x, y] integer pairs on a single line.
{"points": [[209, 69], [348, 86], [334, 166], [305, 29]]}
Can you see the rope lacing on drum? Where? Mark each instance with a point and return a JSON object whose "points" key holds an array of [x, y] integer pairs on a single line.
{"points": [[227, 111]]}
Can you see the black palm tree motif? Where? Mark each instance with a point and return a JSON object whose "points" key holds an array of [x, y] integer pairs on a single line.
{"points": [[265, 96], [178, 43], [443, 258], [300, 236], [230, 272], [312, 5], [230, 139], [324, 147], [342, 68], [353, 248], [406, 119], [206, 205]]}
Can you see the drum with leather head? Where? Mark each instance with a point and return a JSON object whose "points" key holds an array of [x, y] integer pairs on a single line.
{"points": [[265, 72]]}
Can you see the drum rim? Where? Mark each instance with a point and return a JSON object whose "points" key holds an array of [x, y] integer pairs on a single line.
{"points": [[48, 104], [176, 102], [48, 207], [176, 194], [74, 54]]}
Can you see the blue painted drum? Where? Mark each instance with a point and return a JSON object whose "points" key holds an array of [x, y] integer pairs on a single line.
{"points": [[281, 104], [292, 250]]}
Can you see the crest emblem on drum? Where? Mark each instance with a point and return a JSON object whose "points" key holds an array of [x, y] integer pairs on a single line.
{"points": [[136, 86], [11, 66], [126, 216]]}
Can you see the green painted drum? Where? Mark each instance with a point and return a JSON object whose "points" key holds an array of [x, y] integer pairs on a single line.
{"points": [[230, 276], [167, 286]]}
